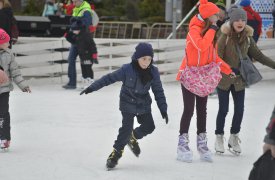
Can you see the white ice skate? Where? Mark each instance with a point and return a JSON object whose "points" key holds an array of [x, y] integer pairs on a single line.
{"points": [[219, 144], [85, 82], [233, 144], [205, 153], [183, 152]]}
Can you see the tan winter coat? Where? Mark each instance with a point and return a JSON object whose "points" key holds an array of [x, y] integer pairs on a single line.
{"points": [[228, 52], [12, 70]]}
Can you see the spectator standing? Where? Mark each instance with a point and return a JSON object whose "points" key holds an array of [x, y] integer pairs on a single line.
{"points": [[83, 12], [222, 13], [79, 36], [253, 19], [7, 21], [50, 8]]}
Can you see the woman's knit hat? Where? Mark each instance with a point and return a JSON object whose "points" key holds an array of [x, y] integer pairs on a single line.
{"points": [[4, 37], [236, 13], [245, 3], [207, 9], [143, 49]]}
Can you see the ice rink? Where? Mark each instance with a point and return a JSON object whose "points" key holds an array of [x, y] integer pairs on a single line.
{"points": [[59, 135]]}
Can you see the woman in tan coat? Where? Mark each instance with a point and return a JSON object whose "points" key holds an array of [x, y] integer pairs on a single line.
{"points": [[235, 33]]}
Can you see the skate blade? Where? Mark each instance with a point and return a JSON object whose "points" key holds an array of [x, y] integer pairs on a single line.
{"points": [[137, 155], [206, 159], [185, 160], [109, 168], [5, 149], [234, 152], [182, 159], [219, 152]]}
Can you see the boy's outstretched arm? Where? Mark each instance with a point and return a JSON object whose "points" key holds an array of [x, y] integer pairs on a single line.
{"points": [[159, 95], [106, 80]]}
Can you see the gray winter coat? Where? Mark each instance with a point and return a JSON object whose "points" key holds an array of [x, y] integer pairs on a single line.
{"points": [[12, 70]]}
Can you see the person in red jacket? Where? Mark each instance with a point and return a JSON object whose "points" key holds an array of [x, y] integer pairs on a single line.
{"points": [[253, 19], [200, 49], [68, 7]]}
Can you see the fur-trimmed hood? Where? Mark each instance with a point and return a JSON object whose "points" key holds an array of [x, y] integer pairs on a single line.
{"points": [[226, 29]]}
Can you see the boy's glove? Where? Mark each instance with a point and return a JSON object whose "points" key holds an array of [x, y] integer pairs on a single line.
{"points": [[86, 91], [165, 116]]}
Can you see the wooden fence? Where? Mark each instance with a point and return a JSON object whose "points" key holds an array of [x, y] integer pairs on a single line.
{"points": [[45, 59]]}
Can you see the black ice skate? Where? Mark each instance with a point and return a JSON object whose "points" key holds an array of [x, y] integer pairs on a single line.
{"points": [[133, 145], [113, 159]]}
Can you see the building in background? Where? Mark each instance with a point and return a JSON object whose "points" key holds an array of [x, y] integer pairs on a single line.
{"points": [[264, 8]]}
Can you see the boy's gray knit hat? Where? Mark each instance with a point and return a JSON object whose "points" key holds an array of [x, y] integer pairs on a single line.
{"points": [[235, 13]]}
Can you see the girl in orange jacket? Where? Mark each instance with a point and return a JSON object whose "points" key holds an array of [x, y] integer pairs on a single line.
{"points": [[200, 49]]}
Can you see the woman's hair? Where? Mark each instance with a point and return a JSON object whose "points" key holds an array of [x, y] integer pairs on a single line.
{"points": [[6, 3], [206, 28], [243, 34]]}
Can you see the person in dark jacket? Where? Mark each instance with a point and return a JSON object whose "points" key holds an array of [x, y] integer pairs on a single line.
{"points": [[3, 76], [137, 78], [222, 13], [83, 12], [7, 20], [270, 136], [264, 167], [79, 35]]}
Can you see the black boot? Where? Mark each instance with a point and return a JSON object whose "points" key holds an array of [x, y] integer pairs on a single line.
{"points": [[113, 158], [133, 145]]}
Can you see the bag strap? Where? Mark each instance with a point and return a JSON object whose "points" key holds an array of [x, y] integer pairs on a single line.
{"points": [[239, 51]]}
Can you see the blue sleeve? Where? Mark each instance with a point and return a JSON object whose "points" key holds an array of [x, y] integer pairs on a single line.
{"points": [[108, 79], [86, 18], [158, 91]]}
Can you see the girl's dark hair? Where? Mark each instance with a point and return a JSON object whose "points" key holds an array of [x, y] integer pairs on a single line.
{"points": [[206, 28]]}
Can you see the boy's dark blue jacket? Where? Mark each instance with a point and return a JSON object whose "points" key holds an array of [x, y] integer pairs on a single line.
{"points": [[134, 96]]}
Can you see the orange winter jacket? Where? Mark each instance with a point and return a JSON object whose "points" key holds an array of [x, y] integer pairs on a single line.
{"points": [[200, 50]]}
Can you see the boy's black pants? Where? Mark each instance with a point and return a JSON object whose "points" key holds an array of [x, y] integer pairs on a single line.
{"points": [[4, 117], [87, 71], [147, 126]]}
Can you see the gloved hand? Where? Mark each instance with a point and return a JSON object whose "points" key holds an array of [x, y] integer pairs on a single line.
{"points": [[86, 91], [165, 116], [236, 70]]}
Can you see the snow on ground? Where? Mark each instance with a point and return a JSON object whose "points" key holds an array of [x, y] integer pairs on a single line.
{"points": [[59, 135]]}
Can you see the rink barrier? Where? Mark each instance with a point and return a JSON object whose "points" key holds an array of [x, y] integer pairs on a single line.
{"points": [[46, 58]]}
